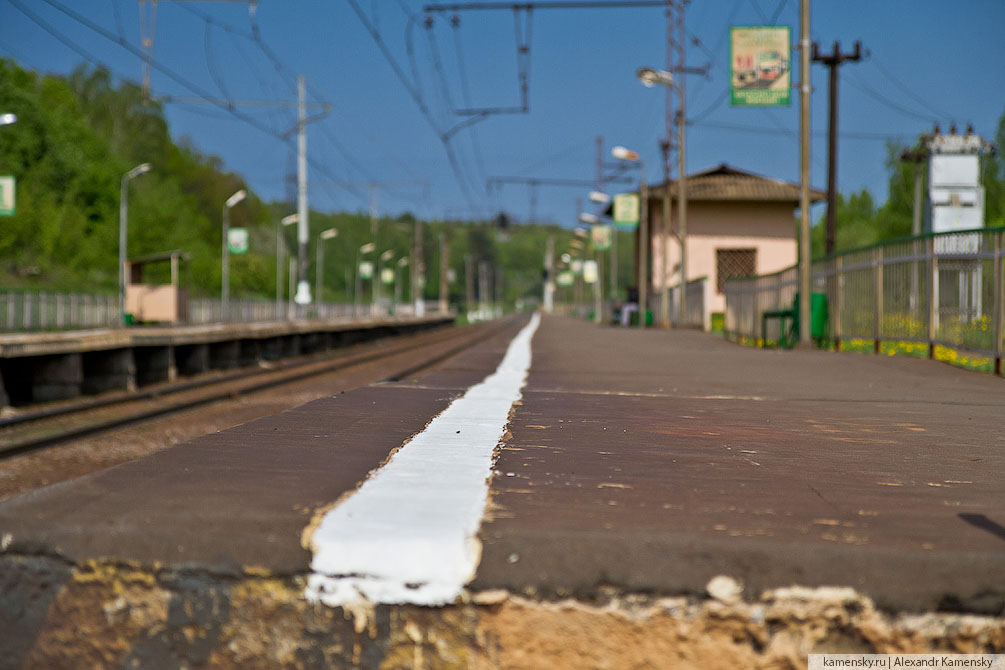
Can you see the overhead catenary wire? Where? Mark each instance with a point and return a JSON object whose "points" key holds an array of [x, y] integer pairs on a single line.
{"points": [[907, 90], [760, 12], [117, 12], [857, 83], [231, 109], [778, 11], [466, 93], [449, 109], [60, 37], [416, 96], [211, 61], [763, 130]]}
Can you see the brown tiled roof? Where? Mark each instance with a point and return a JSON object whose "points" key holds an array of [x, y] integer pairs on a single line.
{"points": [[726, 183]]}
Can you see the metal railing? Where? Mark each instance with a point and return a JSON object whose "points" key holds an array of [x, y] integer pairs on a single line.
{"points": [[42, 310], [938, 289], [698, 296], [26, 311]]}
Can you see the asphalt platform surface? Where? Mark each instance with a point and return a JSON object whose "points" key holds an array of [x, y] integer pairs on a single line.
{"points": [[641, 461]]}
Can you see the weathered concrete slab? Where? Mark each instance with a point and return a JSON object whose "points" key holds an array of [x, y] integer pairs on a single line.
{"points": [[653, 461], [226, 501]]}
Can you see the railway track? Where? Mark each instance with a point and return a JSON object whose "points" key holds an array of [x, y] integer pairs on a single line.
{"points": [[392, 359]]}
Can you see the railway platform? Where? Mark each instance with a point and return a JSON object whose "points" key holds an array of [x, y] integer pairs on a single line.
{"points": [[559, 495], [38, 367]]}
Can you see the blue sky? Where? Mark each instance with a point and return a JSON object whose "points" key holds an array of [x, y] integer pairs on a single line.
{"points": [[929, 62]]}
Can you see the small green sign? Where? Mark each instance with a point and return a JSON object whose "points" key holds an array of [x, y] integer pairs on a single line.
{"points": [[366, 270], [564, 278], [237, 241], [387, 276], [626, 210], [8, 188], [759, 65]]}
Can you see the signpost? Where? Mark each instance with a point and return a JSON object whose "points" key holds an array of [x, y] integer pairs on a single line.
{"points": [[759, 66], [366, 270], [237, 241], [601, 236], [626, 211], [7, 195]]}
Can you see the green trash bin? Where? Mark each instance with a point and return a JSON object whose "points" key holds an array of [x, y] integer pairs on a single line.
{"points": [[819, 317]]}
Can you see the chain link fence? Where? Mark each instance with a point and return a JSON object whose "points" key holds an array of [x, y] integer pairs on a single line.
{"points": [[943, 289]]}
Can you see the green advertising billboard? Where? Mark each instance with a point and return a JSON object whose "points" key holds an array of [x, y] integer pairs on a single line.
{"points": [[759, 58]]}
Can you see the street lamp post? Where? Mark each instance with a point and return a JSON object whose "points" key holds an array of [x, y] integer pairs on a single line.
{"points": [[598, 288], [362, 251], [123, 220], [225, 280], [329, 234], [603, 199], [621, 153], [378, 278], [402, 262], [649, 78], [285, 221]]}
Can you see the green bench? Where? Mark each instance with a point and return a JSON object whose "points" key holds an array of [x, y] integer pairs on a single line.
{"points": [[788, 336]]}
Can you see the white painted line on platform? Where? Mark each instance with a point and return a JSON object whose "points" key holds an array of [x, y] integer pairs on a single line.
{"points": [[408, 535]]}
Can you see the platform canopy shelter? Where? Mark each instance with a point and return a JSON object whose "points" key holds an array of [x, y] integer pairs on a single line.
{"points": [[161, 303]]}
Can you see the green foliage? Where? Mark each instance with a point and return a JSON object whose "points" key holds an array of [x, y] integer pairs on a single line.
{"points": [[77, 136]]}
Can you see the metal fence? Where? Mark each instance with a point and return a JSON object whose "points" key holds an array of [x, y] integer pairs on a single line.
{"points": [[942, 289], [39, 311], [698, 311], [26, 310]]}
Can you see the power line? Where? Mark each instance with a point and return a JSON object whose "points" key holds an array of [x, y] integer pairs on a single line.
{"points": [[711, 108], [879, 97], [417, 97], [763, 130], [760, 12], [558, 155], [466, 93], [907, 90], [777, 12], [225, 105], [211, 61], [118, 18], [63, 39]]}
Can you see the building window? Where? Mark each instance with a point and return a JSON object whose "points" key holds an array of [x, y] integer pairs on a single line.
{"points": [[733, 263]]}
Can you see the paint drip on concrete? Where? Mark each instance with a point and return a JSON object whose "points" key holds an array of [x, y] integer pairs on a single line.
{"points": [[408, 535]]}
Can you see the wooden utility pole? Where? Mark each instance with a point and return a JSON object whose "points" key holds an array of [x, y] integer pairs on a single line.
{"points": [[804, 172], [833, 61]]}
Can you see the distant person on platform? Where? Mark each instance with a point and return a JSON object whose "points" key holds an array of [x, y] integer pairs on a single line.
{"points": [[629, 306]]}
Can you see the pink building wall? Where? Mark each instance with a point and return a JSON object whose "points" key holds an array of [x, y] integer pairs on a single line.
{"points": [[767, 227]]}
